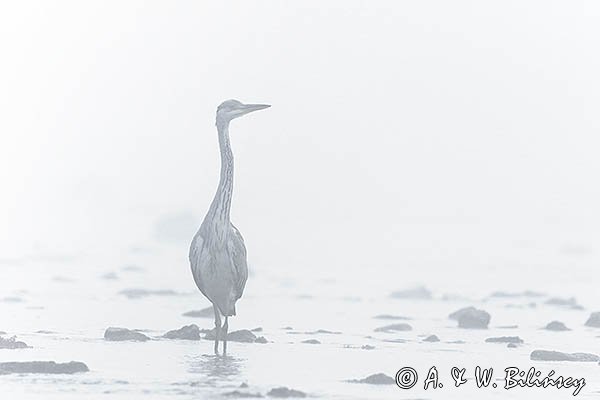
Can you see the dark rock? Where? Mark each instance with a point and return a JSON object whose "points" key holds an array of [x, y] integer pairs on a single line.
{"points": [[283, 392], [431, 338], [123, 334], [367, 347], [188, 332], [207, 312], [471, 318], [325, 331], [570, 302], [556, 326], [527, 293], [261, 339], [311, 341], [594, 320], [42, 367], [420, 292], [109, 276], [400, 327], [458, 313], [512, 346], [505, 339], [243, 336], [140, 293], [394, 340], [392, 317], [376, 379], [259, 329], [545, 355], [12, 343], [242, 395], [11, 299]]}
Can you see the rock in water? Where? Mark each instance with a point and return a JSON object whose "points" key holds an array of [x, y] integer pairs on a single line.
{"points": [[243, 336], [376, 379], [594, 320], [123, 334], [261, 339], [471, 318], [505, 339], [283, 392], [243, 395], [207, 312], [431, 338], [188, 332], [420, 292], [456, 314], [545, 355], [556, 326], [389, 316], [394, 328], [12, 343], [42, 367], [311, 341]]}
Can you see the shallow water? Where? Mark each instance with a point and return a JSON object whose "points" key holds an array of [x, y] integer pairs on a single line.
{"points": [[76, 304]]}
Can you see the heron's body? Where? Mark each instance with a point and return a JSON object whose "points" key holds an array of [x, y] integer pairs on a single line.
{"points": [[217, 253]]}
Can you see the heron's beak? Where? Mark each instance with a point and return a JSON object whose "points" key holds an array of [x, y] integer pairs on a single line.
{"points": [[248, 108]]}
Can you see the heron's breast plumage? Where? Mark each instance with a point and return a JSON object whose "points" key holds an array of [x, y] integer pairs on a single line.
{"points": [[219, 267]]}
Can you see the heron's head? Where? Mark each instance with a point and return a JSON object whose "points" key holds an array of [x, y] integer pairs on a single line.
{"points": [[231, 109]]}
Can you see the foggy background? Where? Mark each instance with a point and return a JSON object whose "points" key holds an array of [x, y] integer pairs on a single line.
{"points": [[402, 134]]}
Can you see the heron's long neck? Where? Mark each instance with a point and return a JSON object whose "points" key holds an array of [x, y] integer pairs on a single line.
{"points": [[221, 204]]}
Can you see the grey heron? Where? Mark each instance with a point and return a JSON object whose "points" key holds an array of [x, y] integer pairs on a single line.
{"points": [[217, 252]]}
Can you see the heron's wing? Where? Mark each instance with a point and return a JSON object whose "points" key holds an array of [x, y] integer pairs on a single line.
{"points": [[238, 256], [198, 256]]}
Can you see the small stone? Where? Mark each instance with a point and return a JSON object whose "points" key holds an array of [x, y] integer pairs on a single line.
{"points": [[392, 317], [188, 332], [261, 339], [367, 347], [109, 276], [431, 338], [505, 339], [556, 326], [283, 392], [123, 334], [376, 379], [42, 367], [421, 293], [594, 320], [259, 329], [12, 343], [243, 336], [511, 345], [471, 318], [400, 327], [311, 341], [545, 355], [242, 395]]}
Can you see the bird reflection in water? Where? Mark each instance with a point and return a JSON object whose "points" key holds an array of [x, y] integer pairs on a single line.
{"points": [[214, 369]]}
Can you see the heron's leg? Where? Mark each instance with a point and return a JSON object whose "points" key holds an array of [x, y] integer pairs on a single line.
{"points": [[225, 329], [217, 328]]}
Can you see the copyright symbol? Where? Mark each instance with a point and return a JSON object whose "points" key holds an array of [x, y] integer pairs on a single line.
{"points": [[406, 378]]}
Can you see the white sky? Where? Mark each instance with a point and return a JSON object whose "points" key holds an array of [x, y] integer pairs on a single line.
{"points": [[427, 124]]}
